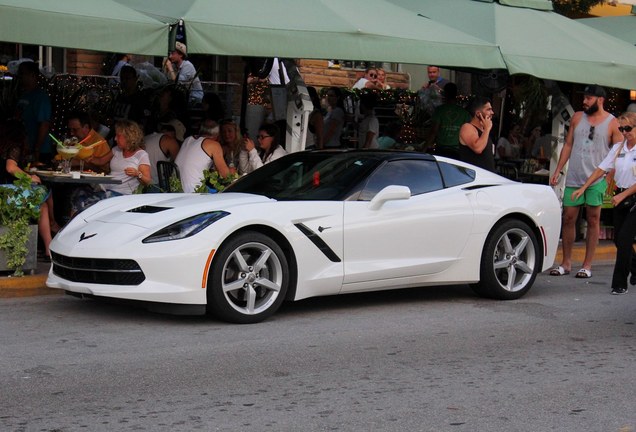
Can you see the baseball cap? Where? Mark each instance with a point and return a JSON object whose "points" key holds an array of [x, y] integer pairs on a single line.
{"points": [[181, 47], [594, 90], [179, 128]]}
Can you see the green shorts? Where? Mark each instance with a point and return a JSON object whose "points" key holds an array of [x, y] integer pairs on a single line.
{"points": [[593, 196]]}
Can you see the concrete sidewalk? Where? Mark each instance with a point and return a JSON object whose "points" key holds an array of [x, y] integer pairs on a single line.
{"points": [[35, 285]]}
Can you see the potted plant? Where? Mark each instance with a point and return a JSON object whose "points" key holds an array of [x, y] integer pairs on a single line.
{"points": [[213, 182], [19, 208]]}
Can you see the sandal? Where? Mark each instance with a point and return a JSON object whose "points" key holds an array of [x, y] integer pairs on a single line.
{"points": [[559, 271], [583, 274]]}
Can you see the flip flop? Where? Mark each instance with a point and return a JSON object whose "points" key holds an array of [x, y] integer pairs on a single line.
{"points": [[559, 271], [583, 274]]}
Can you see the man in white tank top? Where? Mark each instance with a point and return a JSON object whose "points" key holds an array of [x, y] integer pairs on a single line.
{"points": [[199, 153], [592, 133]]}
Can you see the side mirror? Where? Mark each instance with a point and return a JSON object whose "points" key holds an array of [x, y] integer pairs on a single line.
{"points": [[389, 193]]}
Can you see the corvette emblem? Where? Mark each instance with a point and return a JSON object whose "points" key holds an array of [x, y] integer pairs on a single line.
{"points": [[86, 237]]}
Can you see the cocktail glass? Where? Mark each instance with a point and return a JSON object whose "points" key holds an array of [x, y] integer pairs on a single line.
{"points": [[83, 154], [67, 153]]}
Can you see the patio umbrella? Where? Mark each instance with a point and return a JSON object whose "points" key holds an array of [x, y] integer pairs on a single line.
{"points": [[100, 25], [354, 29], [621, 27], [536, 41]]}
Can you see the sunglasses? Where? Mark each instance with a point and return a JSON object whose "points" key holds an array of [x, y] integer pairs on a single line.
{"points": [[262, 137], [625, 128], [373, 76], [591, 135]]}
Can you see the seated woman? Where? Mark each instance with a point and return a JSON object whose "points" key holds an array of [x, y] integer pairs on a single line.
{"points": [[231, 141], [129, 163], [509, 145], [12, 155], [268, 138]]}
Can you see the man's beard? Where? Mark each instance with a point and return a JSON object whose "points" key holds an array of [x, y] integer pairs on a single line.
{"points": [[591, 110]]}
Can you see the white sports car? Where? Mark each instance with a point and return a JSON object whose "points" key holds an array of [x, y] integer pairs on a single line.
{"points": [[311, 224]]}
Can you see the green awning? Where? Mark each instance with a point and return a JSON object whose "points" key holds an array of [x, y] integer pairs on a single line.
{"points": [[103, 25], [538, 42], [321, 29], [621, 27]]}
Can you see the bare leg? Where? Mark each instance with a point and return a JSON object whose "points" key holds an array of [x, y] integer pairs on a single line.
{"points": [[44, 228], [55, 227], [593, 216], [568, 233]]}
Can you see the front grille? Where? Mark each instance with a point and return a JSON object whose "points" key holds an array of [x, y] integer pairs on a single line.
{"points": [[97, 270]]}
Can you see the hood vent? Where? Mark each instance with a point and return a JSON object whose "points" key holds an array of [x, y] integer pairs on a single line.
{"points": [[149, 209]]}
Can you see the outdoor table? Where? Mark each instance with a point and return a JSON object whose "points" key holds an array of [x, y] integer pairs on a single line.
{"points": [[56, 177], [62, 187]]}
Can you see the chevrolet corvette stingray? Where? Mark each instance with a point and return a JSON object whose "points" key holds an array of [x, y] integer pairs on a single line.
{"points": [[313, 223]]}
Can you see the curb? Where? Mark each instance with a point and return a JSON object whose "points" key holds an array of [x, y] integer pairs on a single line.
{"points": [[26, 286], [605, 254]]}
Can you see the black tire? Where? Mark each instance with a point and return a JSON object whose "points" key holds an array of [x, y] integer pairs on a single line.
{"points": [[248, 279], [509, 262]]}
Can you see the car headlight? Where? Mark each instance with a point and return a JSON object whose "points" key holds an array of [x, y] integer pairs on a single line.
{"points": [[185, 228]]}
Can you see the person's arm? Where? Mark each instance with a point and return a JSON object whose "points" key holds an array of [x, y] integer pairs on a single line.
{"points": [[249, 159], [215, 151], [567, 149], [615, 135], [596, 174], [13, 168], [169, 69], [103, 160], [143, 174], [469, 137], [618, 198]]}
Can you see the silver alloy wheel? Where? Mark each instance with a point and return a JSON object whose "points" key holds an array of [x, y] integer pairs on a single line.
{"points": [[514, 260], [252, 277]]}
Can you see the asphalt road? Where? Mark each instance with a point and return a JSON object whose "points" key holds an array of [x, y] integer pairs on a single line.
{"points": [[434, 359]]}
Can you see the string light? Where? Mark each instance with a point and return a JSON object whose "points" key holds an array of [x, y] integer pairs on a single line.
{"points": [[90, 93]]}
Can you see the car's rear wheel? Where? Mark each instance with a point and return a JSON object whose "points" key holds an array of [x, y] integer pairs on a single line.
{"points": [[510, 261], [248, 279]]}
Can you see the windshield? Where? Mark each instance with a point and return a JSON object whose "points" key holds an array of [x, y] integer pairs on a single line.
{"points": [[308, 176]]}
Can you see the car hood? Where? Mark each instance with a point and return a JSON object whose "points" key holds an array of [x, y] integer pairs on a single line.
{"points": [[152, 210]]}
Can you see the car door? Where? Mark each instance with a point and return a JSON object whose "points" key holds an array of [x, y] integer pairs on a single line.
{"points": [[412, 237]]}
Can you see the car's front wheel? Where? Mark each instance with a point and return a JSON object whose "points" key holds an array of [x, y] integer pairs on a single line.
{"points": [[510, 261], [248, 279]]}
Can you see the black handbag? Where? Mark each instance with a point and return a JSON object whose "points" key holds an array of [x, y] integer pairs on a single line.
{"points": [[627, 204]]}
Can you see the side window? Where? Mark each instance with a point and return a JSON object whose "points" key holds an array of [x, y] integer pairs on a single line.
{"points": [[455, 175], [420, 176]]}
